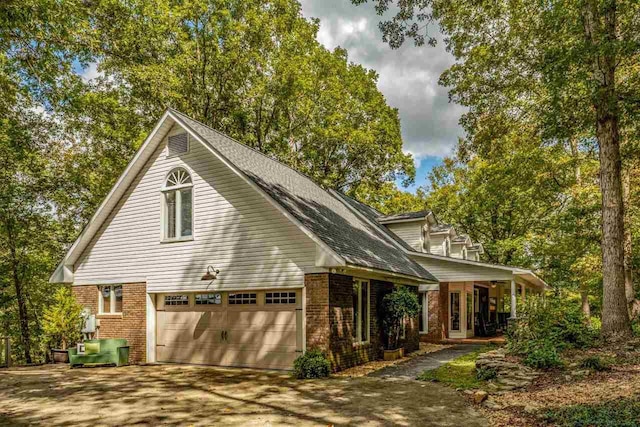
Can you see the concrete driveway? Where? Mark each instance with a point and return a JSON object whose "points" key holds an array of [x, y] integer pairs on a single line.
{"points": [[196, 395]]}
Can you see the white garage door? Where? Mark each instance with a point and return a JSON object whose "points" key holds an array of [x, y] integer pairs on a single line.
{"points": [[260, 329]]}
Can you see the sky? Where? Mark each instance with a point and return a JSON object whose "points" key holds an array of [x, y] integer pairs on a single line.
{"points": [[408, 78]]}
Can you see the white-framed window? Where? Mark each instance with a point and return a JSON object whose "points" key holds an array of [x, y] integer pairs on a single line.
{"points": [[242, 299], [426, 239], [424, 313], [208, 299], [447, 247], [177, 206], [110, 299], [176, 299], [464, 253], [361, 311], [280, 298]]}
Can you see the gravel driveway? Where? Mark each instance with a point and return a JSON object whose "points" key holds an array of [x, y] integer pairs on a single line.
{"points": [[196, 395]]}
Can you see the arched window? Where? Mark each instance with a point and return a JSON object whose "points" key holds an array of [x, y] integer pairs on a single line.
{"points": [[178, 205]]}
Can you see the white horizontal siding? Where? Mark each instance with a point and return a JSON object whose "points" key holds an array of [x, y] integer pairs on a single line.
{"points": [[448, 271], [437, 244], [235, 229], [410, 232]]}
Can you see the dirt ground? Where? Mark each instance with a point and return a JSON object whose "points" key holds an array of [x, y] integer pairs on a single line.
{"points": [[196, 395]]}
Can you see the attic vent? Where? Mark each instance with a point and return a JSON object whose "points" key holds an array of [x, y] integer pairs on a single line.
{"points": [[178, 144]]}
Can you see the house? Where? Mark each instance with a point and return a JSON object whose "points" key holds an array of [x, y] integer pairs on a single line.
{"points": [[207, 251]]}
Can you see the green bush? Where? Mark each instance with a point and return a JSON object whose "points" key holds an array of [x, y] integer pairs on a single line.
{"points": [[486, 374], [312, 364], [545, 327], [62, 323], [397, 306], [596, 363], [543, 355]]}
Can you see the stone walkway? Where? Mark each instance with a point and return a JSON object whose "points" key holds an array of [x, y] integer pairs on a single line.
{"points": [[414, 367]]}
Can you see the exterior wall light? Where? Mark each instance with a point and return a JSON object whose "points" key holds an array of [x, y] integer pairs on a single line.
{"points": [[211, 274]]}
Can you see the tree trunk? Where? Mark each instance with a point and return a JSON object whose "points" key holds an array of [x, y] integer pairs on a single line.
{"points": [[22, 308], [584, 291], [600, 32]]}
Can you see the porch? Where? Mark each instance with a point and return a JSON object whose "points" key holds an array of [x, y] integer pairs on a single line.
{"points": [[473, 312]]}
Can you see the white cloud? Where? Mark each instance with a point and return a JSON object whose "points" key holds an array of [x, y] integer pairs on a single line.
{"points": [[91, 72], [408, 76]]}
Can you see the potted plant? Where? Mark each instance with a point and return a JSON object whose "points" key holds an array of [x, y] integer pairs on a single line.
{"points": [[397, 306], [62, 324]]}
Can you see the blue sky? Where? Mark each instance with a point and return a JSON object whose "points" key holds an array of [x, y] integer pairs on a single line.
{"points": [[408, 78]]}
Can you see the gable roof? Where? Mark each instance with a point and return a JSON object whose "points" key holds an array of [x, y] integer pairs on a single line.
{"points": [[320, 213]]}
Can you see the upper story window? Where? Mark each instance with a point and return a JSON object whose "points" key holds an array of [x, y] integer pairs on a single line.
{"points": [[178, 205], [464, 253], [426, 239], [447, 247]]}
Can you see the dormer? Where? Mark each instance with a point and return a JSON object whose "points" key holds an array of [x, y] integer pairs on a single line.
{"points": [[440, 237], [412, 227], [474, 252], [459, 246]]}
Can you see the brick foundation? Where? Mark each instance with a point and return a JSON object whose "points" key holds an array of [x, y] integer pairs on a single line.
{"points": [[130, 325]]}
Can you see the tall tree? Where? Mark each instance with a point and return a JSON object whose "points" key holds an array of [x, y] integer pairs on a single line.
{"points": [[577, 51]]}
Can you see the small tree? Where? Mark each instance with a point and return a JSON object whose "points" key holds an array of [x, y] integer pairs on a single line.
{"points": [[62, 322], [397, 306]]}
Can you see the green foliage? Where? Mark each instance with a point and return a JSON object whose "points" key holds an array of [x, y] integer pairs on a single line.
{"points": [[545, 327], [397, 306], [61, 321], [486, 374], [614, 413], [460, 373], [542, 354], [596, 363], [311, 364]]}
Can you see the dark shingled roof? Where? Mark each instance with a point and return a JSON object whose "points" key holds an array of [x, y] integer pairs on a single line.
{"points": [[440, 227], [404, 216], [329, 218]]}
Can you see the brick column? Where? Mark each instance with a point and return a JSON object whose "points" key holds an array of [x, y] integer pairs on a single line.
{"points": [[317, 308]]}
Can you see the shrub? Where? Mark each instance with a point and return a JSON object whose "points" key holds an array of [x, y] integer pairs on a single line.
{"points": [[543, 355], [61, 320], [397, 306], [486, 374], [596, 363], [312, 364], [546, 327]]}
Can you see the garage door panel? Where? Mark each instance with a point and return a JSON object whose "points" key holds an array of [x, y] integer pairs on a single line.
{"points": [[262, 359], [239, 335]]}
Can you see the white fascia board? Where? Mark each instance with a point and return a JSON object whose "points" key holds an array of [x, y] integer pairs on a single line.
{"points": [[117, 191], [337, 259], [466, 261]]}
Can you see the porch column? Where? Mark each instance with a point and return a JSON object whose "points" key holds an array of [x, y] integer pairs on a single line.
{"points": [[523, 290], [513, 299]]}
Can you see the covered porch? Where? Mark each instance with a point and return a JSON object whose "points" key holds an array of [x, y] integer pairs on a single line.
{"points": [[483, 308]]}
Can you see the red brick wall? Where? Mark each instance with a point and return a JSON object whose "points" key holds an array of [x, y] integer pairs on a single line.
{"points": [[130, 325], [330, 320], [317, 308], [436, 326]]}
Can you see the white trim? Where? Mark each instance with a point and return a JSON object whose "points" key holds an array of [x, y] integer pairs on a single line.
{"points": [[425, 313], [151, 327], [112, 299], [426, 288], [253, 185], [223, 289], [99, 282], [388, 274], [391, 221]]}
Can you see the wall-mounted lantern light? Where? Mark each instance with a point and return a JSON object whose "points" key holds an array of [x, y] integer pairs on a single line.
{"points": [[211, 273]]}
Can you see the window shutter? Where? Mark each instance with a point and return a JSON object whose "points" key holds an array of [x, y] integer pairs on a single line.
{"points": [[178, 144]]}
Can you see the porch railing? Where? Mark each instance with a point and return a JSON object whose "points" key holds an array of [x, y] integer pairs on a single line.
{"points": [[5, 352]]}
